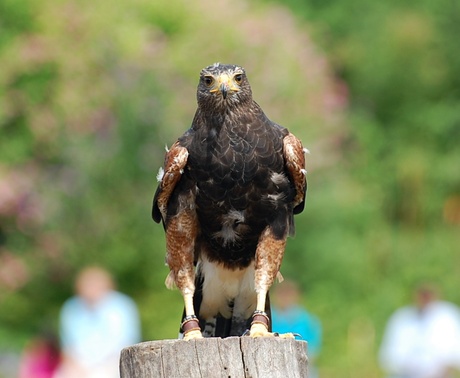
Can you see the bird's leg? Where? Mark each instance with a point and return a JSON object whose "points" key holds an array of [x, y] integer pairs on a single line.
{"points": [[180, 237], [190, 324], [269, 255]]}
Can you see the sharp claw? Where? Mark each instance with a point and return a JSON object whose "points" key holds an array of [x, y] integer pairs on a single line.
{"points": [[287, 335]]}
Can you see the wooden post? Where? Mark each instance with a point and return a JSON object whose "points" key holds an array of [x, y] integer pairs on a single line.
{"points": [[232, 357]]}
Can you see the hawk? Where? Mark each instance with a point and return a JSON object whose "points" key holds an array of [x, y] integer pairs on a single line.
{"points": [[227, 194]]}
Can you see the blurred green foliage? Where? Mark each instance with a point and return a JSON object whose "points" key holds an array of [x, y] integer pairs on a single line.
{"points": [[91, 92]]}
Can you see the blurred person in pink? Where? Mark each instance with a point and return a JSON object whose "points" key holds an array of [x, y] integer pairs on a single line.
{"points": [[422, 341], [40, 358], [95, 325]]}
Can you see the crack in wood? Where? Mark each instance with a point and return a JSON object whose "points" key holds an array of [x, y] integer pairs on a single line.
{"points": [[233, 357]]}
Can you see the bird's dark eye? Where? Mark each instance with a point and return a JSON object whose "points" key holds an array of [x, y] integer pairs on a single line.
{"points": [[208, 80], [238, 78]]}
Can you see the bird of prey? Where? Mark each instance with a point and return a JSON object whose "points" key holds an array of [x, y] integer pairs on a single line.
{"points": [[227, 194]]}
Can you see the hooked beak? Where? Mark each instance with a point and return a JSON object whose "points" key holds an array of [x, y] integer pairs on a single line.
{"points": [[223, 88], [225, 85]]}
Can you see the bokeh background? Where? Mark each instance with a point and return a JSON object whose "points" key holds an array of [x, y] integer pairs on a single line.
{"points": [[92, 91]]}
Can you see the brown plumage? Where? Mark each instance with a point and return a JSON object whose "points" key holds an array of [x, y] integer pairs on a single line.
{"points": [[228, 192]]}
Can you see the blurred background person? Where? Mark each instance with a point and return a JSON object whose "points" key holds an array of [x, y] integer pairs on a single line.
{"points": [[422, 340], [95, 325], [40, 358], [289, 316]]}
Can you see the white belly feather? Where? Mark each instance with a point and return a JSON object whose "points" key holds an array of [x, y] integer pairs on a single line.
{"points": [[222, 286]]}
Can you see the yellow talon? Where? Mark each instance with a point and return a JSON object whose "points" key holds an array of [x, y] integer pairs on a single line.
{"points": [[193, 334], [259, 330]]}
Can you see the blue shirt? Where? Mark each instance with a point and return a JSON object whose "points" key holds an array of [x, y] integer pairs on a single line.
{"points": [[93, 334], [297, 320]]}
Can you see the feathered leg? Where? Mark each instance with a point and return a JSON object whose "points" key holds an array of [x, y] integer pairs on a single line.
{"points": [[269, 255], [180, 244]]}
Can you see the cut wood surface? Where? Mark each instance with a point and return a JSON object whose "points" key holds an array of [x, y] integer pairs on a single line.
{"points": [[233, 357]]}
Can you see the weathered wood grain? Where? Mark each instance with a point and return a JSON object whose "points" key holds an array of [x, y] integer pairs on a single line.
{"points": [[233, 357]]}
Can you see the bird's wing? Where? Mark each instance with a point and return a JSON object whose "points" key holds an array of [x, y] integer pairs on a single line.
{"points": [[294, 157], [175, 162]]}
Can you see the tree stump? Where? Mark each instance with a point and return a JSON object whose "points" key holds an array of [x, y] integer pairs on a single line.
{"points": [[232, 357]]}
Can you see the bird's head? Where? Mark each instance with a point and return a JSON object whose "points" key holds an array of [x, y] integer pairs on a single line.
{"points": [[223, 85]]}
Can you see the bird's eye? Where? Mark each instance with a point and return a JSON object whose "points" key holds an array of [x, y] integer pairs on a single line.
{"points": [[208, 80], [238, 78]]}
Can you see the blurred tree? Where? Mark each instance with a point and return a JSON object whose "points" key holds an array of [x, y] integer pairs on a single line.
{"points": [[91, 94], [398, 193]]}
